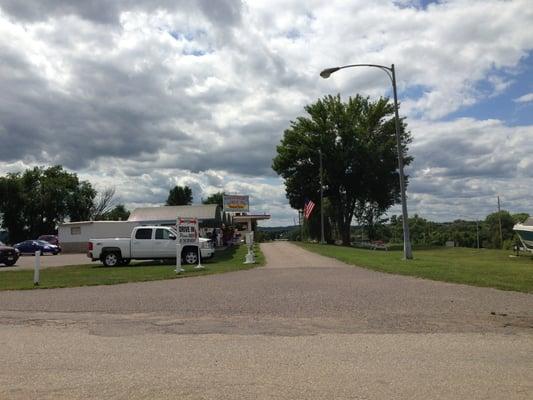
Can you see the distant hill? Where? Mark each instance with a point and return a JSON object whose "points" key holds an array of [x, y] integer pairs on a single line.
{"points": [[278, 228]]}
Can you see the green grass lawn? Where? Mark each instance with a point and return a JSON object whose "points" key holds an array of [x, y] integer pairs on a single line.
{"points": [[484, 267], [230, 259]]}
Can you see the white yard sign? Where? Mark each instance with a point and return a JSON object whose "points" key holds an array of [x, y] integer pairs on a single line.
{"points": [[188, 234], [188, 231]]}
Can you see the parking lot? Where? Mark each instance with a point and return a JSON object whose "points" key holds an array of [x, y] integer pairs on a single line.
{"points": [[302, 326], [48, 261]]}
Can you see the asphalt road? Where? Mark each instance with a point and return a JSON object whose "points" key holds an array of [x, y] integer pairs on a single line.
{"points": [[47, 261], [304, 326]]}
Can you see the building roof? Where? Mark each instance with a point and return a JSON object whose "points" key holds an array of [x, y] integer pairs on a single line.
{"points": [[240, 218], [102, 222], [528, 222], [170, 213]]}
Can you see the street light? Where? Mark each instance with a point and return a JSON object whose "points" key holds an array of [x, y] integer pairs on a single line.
{"points": [[322, 241], [408, 254]]}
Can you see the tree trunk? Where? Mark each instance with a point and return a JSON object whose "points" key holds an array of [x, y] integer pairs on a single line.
{"points": [[346, 235]]}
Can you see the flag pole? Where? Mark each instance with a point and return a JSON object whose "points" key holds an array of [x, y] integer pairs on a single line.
{"points": [[301, 217]]}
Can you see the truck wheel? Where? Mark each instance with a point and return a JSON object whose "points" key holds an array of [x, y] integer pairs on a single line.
{"points": [[111, 259], [191, 257], [10, 263]]}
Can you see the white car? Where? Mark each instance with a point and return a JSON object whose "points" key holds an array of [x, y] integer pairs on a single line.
{"points": [[147, 243]]}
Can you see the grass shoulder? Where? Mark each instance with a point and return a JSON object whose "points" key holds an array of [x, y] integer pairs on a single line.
{"points": [[483, 267], [227, 260]]}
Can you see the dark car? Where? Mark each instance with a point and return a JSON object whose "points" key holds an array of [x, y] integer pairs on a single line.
{"points": [[31, 246], [8, 255], [52, 239]]}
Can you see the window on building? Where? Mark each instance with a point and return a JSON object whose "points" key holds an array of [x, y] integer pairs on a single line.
{"points": [[143, 234], [75, 230]]}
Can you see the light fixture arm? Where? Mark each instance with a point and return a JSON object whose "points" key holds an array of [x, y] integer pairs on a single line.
{"points": [[328, 71]]}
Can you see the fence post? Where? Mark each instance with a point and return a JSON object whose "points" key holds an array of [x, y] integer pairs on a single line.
{"points": [[37, 267]]}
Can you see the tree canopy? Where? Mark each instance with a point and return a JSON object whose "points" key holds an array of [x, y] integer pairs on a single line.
{"points": [[118, 213], [36, 201], [358, 144], [492, 224], [215, 198], [179, 196]]}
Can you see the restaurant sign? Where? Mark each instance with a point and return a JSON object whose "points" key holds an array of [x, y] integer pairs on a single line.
{"points": [[236, 203]]}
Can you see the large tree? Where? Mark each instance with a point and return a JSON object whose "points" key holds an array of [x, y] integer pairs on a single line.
{"points": [[103, 204], [358, 143], [215, 198], [39, 199], [179, 196], [119, 213], [492, 227]]}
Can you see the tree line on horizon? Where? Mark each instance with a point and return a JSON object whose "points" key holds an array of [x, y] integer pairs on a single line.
{"points": [[424, 232]]}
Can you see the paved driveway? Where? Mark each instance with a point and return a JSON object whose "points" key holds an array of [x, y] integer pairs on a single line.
{"points": [[304, 326], [47, 261]]}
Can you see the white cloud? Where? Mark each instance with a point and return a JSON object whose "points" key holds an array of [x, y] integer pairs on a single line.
{"points": [[461, 167], [148, 94], [525, 98]]}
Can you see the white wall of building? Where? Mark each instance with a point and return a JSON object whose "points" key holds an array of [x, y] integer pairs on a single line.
{"points": [[73, 236]]}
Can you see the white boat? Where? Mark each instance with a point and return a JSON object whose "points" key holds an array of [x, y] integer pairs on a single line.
{"points": [[525, 233]]}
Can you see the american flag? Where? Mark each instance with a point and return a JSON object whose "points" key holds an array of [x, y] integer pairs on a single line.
{"points": [[308, 208]]}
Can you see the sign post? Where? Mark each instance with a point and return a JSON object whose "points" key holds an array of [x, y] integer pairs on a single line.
{"points": [[37, 267], [188, 234], [199, 266], [179, 269], [250, 257]]}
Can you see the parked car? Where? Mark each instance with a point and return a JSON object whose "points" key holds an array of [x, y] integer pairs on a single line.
{"points": [[8, 255], [31, 246], [52, 239], [146, 243]]}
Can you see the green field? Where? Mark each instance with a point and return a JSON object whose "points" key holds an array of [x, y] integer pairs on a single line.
{"points": [[484, 267], [228, 260]]}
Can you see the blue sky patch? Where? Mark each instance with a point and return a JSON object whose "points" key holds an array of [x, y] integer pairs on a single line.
{"points": [[503, 106]]}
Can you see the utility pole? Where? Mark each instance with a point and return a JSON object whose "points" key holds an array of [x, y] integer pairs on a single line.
{"points": [[322, 241], [477, 233], [500, 222]]}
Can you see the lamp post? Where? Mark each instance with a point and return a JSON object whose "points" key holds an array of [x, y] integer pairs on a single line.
{"points": [[407, 251], [322, 241]]}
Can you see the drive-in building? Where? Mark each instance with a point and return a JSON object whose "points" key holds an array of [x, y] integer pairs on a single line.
{"points": [[73, 236]]}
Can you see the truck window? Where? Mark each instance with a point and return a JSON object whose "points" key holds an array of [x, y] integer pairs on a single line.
{"points": [[143, 234], [162, 234]]}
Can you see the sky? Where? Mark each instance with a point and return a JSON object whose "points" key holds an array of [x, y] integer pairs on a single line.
{"points": [[142, 95]]}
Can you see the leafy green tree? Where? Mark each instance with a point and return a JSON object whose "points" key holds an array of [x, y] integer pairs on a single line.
{"points": [[11, 200], [179, 196], [118, 213], [37, 200], [81, 202], [369, 214], [520, 217], [215, 198], [492, 227], [358, 143]]}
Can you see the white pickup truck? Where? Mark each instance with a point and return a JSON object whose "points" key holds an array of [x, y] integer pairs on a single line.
{"points": [[146, 243]]}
